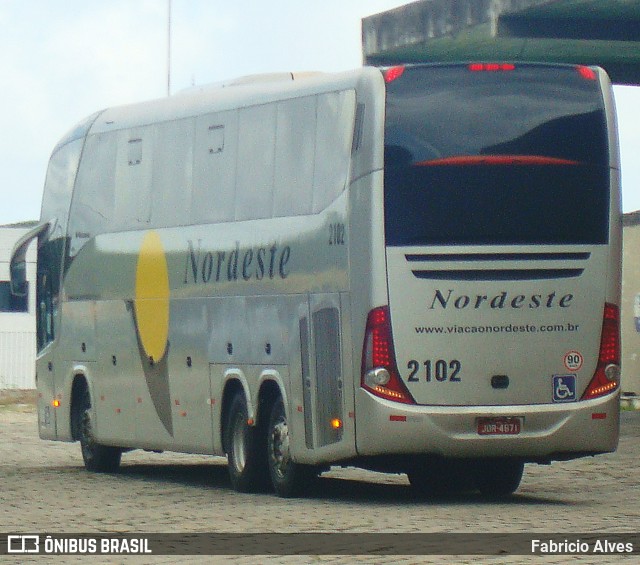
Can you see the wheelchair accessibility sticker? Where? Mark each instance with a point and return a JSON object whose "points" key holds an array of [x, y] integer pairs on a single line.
{"points": [[564, 388]]}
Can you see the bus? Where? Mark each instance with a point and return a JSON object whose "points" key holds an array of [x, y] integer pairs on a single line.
{"points": [[413, 270]]}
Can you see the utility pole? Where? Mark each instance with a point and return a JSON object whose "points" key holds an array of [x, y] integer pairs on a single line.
{"points": [[168, 47]]}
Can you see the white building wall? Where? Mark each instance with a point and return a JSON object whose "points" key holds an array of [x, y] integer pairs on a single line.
{"points": [[17, 330]]}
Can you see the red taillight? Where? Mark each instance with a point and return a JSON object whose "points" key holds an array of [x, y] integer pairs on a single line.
{"points": [[607, 376], [379, 371], [393, 73], [586, 72], [491, 67]]}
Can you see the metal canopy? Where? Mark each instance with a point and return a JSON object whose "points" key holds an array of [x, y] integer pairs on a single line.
{"points": [[590, 32]]}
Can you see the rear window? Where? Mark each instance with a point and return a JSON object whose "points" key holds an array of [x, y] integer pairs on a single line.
{"points": [[515, 156]]}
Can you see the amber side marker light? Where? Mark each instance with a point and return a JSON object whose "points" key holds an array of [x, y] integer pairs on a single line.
{"points": [[56, 403]]}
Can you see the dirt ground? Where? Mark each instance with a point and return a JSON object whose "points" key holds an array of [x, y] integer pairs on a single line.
{"points": [[17, 397]]}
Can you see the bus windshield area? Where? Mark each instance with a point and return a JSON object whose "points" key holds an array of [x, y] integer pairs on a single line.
{"points": [[516, 156]]}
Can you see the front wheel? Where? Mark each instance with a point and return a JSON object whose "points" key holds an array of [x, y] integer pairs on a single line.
{"points": [[97, 458], [289, 479]]}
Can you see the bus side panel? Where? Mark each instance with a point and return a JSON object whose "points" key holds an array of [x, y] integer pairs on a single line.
{"points": [[368, 281], [118, 381], [614, 286], [45, 384]]}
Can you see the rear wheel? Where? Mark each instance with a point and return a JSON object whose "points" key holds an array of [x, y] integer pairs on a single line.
{"points": [[496, 478], [246, 449], [289, 479], [97, 458], [436, 477]]}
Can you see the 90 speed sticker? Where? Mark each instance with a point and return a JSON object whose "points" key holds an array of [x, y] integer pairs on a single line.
{"points": [[573, 360]]}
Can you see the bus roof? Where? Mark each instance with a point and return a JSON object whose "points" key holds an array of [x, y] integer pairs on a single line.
{"points": [[238, 93]]}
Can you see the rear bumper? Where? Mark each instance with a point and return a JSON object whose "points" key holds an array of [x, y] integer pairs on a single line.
{"points": [[549, 431]]}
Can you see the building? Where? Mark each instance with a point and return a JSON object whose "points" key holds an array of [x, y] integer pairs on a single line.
{"points": [[630, 314], [17, 316]]}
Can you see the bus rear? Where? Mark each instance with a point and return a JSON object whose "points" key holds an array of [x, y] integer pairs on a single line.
{"points": [[502, 236]]}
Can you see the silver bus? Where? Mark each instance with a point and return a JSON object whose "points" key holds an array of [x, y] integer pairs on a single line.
{"points": [[413, 270]]}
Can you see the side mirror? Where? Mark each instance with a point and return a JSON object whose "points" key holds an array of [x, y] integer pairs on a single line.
{"points": [[18, 278], [18, 264]]}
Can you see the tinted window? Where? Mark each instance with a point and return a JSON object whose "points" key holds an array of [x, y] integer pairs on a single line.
{"points": [[334, 135], [94, 194], [216, 147], [504, 157], [295, 157], [256, 159], [58, 187]]}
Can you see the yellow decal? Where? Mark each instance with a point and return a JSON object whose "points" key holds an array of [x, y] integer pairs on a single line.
{"points": [[152, 296]]}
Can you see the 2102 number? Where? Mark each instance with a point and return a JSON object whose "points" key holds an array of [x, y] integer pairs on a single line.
{"points": [[434, 371]]}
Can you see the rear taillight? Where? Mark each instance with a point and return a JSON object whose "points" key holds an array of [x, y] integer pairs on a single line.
{"points": [[607, 376], [379, 371], [393, 73], [491, 67], [586, 73]]}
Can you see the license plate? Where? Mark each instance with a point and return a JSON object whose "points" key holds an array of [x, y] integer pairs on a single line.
{"points": [[499, 426]]}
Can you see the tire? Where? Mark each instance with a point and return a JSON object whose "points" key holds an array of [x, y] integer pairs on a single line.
{"points": [[498, 478], [289, 479], [437, 477], [97, 458], [246, 449]]}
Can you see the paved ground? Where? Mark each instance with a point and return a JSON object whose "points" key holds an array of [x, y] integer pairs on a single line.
{"points": [[44, 488]]}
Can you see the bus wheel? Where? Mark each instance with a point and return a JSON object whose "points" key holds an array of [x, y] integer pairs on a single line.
{"points": [[436, 477], [496, 478], [245, 449], [289, 479], [97, 458]]}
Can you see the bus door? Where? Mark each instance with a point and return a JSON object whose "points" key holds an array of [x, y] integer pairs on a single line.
{"points": [[322, 373], [46, 322]]}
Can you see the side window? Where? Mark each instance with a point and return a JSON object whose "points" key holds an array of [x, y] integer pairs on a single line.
{"points": [[48, 277], [45, 309], [58, 186], [336, 112], [134, 164], [94, 195], [295, 150], [214, 173], [256, 161], [56, 202], [172, 173]]}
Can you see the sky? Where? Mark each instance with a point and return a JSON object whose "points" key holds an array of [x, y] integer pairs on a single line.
{"points": [[62, 60]]}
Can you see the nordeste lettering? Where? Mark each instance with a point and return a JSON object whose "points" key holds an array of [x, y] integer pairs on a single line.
{"points": [[246, 264], [499, 301]]}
